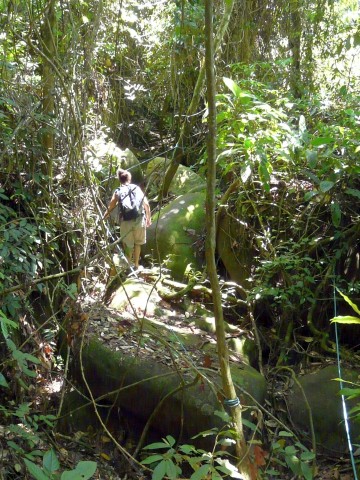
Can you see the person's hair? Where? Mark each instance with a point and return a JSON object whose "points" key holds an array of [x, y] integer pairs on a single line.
{"points": [[124, 176]]}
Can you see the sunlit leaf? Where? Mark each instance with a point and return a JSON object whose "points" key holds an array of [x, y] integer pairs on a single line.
{"points": [[232, 86], [320, 141], [352, 304], [347, 319]]}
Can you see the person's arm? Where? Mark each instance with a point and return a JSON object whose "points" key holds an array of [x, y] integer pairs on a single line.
{"points": [[112, 204], [147, 212]]}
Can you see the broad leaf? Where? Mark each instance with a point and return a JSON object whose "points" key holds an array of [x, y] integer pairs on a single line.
{"points": [[201, 473], [50, 461], [3, 382], [159, 471], [335, 214], [353, 192], [232, 86], [151, 459], [83, 471], [347, 319], [320, 141], [326, 185], [35, 471], [306, 470], [171, 470]]}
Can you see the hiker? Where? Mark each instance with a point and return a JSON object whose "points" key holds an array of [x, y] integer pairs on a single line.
{"points": [[134, 216]]}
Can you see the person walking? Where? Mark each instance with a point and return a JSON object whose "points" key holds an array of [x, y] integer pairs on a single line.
{"points": [[134, 216]]}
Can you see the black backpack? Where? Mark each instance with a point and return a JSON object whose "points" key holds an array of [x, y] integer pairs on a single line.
{"points": [[130, 201]]}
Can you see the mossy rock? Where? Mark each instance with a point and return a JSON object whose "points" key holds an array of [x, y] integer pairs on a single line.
{"points": [[175, 236], [139, 386], [134, 295], [184, 181], [234, 248], [322, 393]]}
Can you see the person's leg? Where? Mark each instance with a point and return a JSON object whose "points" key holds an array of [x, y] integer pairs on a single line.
{"points": [[137, 251], [139, 239], [128, 253], [127, 235]]}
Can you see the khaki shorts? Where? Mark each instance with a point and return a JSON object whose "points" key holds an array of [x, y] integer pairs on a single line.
{"points": [[133, 232]]}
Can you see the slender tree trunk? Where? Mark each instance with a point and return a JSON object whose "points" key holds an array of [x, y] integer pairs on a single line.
{"points": [[223, 353], [48, 82], [295, 45], [185, 130]]}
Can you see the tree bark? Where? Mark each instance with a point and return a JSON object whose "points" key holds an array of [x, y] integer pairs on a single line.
{"points": [[295, 45], [223, 353], [48, 81], [185, 130]]}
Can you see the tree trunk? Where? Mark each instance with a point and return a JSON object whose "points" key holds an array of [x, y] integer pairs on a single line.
{"points": [[223, 353], [295, 46], [185, 130], [48, 81]]}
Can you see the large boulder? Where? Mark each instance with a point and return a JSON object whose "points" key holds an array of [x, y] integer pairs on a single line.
{"points": [[181, 402], [184, 181], [175, 237], [321, 391], [105, 157], [234, 247]]}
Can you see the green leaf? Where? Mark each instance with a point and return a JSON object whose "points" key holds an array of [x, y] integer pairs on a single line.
{"points": [[159, 471], [171, 470], [353, 192], [151, 459], [293, 463], [171, 440], [307, 456], [50, 461], [248, 424], [326, 185], [312, 158], [335, 214], [320, 141], [283, 433], [201, 473], [187, 449], [83, 471], [3, 382], [35, 471], [232, 86], [306, 471], [156, 445], [347, 319], [347, 299], [225, 417], [309, 195], [350, 392]]}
